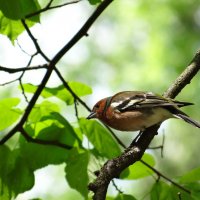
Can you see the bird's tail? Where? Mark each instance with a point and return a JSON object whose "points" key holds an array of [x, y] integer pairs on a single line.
{"points": [[187, 119]]}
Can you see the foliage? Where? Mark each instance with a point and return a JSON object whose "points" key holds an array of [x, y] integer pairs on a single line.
{"points": [[48, 137]]}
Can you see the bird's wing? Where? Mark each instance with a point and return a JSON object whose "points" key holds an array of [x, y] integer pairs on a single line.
{"points": [[139, 100]]}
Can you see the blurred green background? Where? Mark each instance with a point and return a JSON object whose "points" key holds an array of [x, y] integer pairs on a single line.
{"points": [[134, 45]]}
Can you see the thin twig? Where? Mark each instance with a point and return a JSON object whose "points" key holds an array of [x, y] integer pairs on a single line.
{"points": [[34, 40], [43, 142], [116, 187], [49, 3], [9, 82], [66, 85], [22, 48], [116, 138], [76, 108], [49, 7], [23, 91], [159, 174], [21, 69], [21, 76], [161, 147]]}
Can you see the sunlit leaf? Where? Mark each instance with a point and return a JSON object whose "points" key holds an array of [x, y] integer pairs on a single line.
{"points": [[100, 138], [18, 9], [45, 122], [48, 125], [9, 114], [76, 171], [12, 28], [61, 92], [54, 128], [43, 109]]}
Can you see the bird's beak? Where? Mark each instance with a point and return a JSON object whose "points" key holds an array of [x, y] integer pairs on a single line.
{"points": [[92, 115]]}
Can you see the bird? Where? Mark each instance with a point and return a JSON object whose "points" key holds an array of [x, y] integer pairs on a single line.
{"points": [[138, 110]]}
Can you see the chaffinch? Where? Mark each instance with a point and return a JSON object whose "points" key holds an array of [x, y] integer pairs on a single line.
{"points": [[135, 110]]}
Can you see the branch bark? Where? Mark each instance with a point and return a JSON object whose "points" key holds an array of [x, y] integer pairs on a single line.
{"points": [[112, 168]]}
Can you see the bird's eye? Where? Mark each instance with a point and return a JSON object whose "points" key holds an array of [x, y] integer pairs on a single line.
{"points": [[97, 106]]}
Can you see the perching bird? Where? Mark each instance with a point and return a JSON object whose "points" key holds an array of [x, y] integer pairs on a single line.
{"points": [[135, 110]]}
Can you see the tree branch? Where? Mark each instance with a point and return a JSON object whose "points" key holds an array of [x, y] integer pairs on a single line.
{"points": [[66, 85], [22, 69], [34, 40], [166, 178], [82, 32], [112, 168]]}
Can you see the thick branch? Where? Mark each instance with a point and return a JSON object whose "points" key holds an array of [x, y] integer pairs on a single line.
{"points": [[134, 152]]}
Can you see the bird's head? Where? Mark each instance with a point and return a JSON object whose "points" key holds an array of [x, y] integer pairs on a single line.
{"points": [[98, 109]]}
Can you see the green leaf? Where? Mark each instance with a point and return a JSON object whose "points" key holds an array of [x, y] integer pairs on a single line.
{"points": [[121, 196], [100, 138], [9, 114], [194, 189], [191, 176], [15, 176], [94, 2], [18, 9], [43, 109], [40, 155], [76, 171], [164, 191], [139, 170], [11, 28], [161, 191], [54, 128], [46, 124], [61, 92]]}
